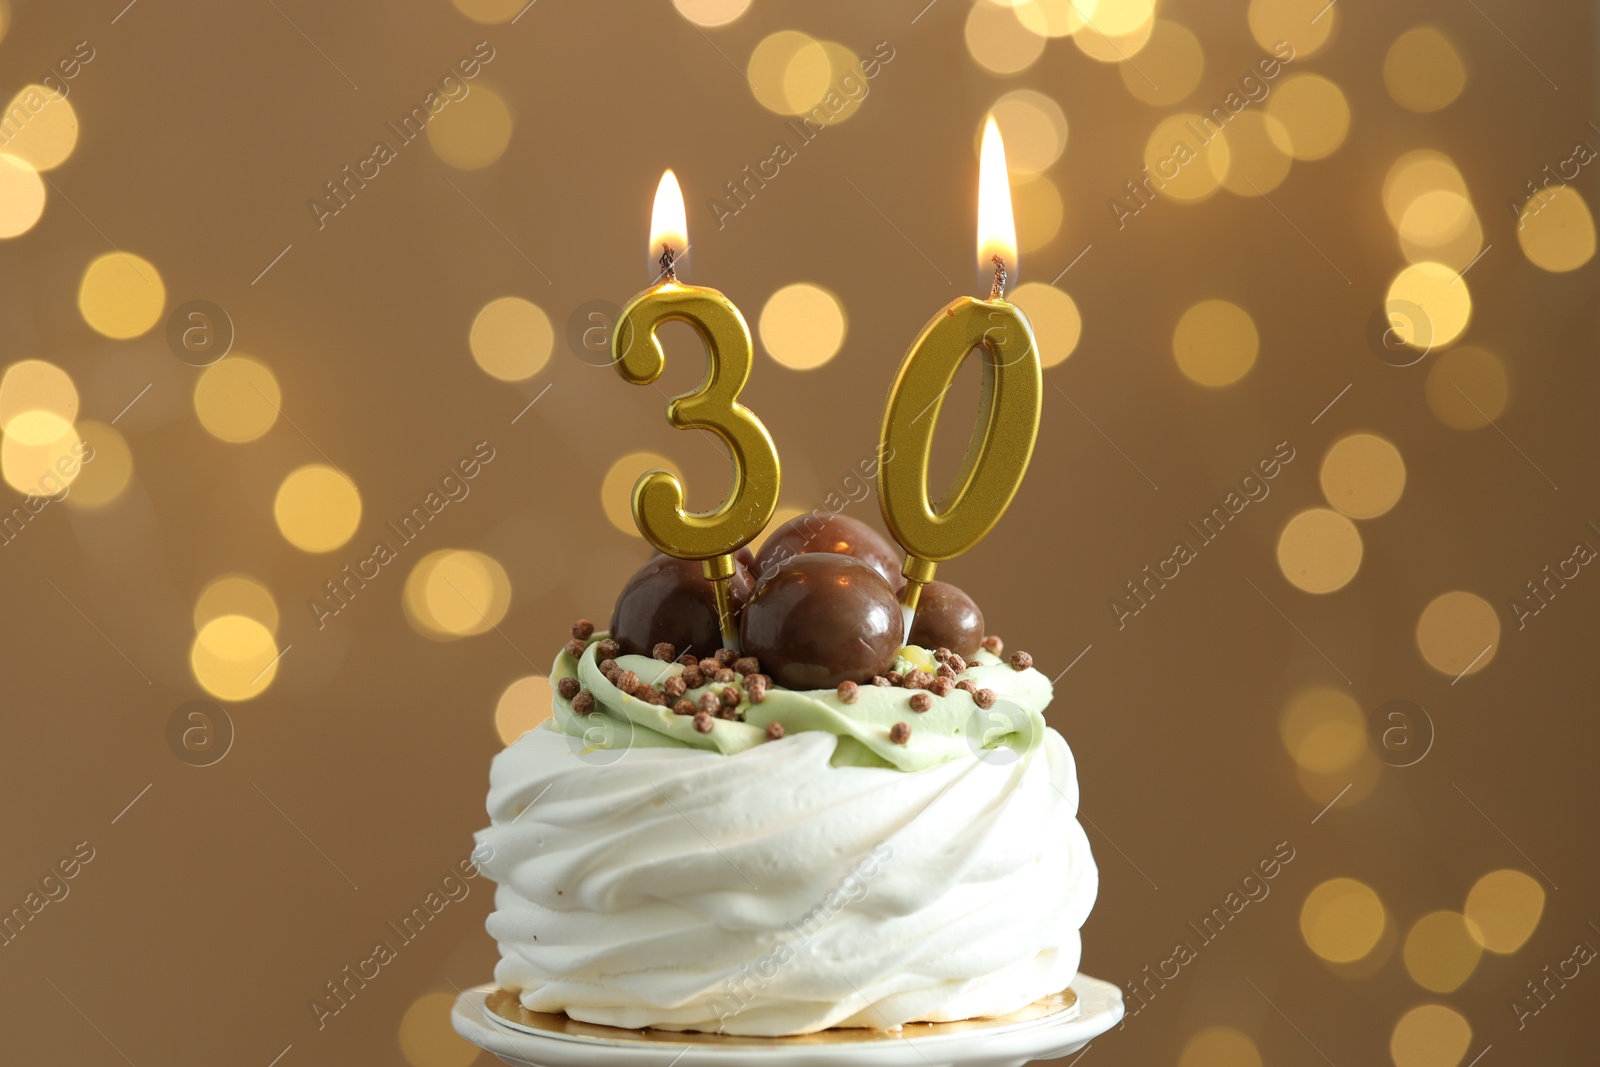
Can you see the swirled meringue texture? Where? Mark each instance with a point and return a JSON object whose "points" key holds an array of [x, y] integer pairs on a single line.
{"points": [[774, 890]]}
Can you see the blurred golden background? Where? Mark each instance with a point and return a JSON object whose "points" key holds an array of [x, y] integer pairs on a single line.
{"points": [[1314, 285]]}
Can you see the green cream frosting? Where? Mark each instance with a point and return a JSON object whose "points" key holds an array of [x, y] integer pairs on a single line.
{"points": [[953, 727]]}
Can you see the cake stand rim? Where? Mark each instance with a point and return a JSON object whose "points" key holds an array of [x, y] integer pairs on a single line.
{"points": [[1099, 1007]]}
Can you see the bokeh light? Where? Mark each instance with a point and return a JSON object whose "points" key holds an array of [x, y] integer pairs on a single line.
{"points": [[236, 594], [1215, 343], [616, 488], [1423, 71], [317, 508], [1305, 25], [457, 593], [768, 70], [1441, 225], [998, 40], [1183, 163], [511, 339], [1168, 69], [1342, 920], [427, 1038], [1039, 210], [1033, 127], [234, 657], [41, 453], [36, 385], [1503, 909], [1319, 550], [1054, 318], [1458, 633], [1313, 114], [802, 326], [48, 134], [107, 471], [1430, 1035], [237, 399], [21, 196], [1219, 1046], [1556, 230], [1363, 475], [1416, 174], [490, 12], [121, 295], [1441, 952], [525, 703], [1093, 41], [1323, 730], [1467, 387], [471, 132], [1257, 162], [1429, 305], [830, 75], [710, 13], [1051, 18]]}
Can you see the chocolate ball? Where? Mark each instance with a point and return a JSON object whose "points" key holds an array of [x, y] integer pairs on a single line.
{"points": [[669, 600], [821, 619], [838, 534], [947, 618]]}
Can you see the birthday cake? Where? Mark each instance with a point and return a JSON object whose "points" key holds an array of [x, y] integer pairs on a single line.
{"points": [[838, 825]]}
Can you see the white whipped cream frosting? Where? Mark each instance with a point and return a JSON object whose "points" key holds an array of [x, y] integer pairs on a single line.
{"points": [[767, 892]]}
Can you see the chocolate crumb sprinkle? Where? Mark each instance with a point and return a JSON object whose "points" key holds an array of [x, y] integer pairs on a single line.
{"points": [[683, 707], [900, 733], [1021, 661], [703, 722], [968, 684], [583, 629], [583, 703], [921, 701], [709, 703], [895, 677], [878, 679], [674, 686], [568, 688], [941, 687], [710, 665], [689, 659], [664, 651], [918, 679], [726, 656], [693, 677], [725, 674], [847, 692], [608, 649], [747, 665], [984, 698], [574, 648], [993, 645], [774, 731], [731, 695], [627, 681]]}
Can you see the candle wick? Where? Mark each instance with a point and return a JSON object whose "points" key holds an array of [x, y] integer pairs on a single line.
{"points": [[667, 260], [998, 289]]}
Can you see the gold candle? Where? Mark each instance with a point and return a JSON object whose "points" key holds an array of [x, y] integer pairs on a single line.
{"points": [[658, 497], [1008, 415]]}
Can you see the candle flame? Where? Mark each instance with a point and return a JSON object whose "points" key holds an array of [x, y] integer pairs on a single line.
{"points": [[997, 233], [669, 224]]}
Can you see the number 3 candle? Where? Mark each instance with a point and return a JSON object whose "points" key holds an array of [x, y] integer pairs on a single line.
{"points": [[1008, 413], [658, 498]]}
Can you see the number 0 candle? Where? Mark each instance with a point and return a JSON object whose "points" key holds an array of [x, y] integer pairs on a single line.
{"points": [[1008, 413], [658, 497]]}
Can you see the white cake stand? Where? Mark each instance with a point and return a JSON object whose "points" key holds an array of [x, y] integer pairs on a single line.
{"points": [[1055, 1026]]}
